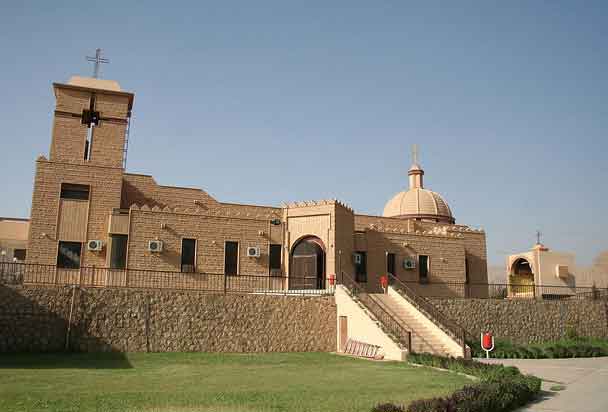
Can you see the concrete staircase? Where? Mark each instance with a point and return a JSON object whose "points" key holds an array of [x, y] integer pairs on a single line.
{"points": [[426, 336]]}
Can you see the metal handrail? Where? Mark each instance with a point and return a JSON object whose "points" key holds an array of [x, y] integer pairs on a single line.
{"points": [[388, 321], [484, 290], [432, 313], [101, 277]]}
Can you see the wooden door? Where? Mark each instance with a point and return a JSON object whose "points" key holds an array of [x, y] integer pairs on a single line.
{"points": [[304, 272]]}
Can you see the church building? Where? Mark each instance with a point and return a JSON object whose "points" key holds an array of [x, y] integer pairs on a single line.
{"points": [[89, 212]]}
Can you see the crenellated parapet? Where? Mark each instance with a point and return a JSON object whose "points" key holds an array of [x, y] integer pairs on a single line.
{"points": [[312, 203], [216, 212]]}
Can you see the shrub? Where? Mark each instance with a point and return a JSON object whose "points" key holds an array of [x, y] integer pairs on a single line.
{"points": [[387, 407], [573, 346], [495, 396], [501, 388], [571, 333], [432, 405]]}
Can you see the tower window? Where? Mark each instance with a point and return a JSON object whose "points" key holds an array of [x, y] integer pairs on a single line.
{"points": [[90, 117], [74, 191], [88, 144]]}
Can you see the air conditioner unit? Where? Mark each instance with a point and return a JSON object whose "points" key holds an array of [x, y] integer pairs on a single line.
{"points": [[253, 251], [357, 258], [95, 245], [155, 246], [409, 264]]}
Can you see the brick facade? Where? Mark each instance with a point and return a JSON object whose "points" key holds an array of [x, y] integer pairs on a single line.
{"points": [[157, 212]]}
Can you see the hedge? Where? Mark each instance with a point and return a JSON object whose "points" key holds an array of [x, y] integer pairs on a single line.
{"points": [[500, 388], [571, 347]]}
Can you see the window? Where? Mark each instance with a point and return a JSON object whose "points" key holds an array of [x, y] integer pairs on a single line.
{"points": [[19, 254], [118, 251], [231, 258], [90, 117], [74, 191], [361, 267], [68, 255], [390, 264], [188, 255], [423, 267], [275, 257]]}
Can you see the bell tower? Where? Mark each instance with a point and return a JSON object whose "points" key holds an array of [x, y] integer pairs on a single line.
{"points": [[90, 123]]}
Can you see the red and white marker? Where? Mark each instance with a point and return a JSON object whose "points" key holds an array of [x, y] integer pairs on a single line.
{"points": [[487, 343]]}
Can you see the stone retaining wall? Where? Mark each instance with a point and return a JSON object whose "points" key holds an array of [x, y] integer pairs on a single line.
{"points": [[37, 319], [527, 320]]}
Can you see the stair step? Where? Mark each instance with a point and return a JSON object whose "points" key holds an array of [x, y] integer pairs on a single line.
{"points": [[424, 337]]}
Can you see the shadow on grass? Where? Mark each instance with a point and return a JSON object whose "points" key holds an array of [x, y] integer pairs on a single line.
{"points": [[34, 327]]}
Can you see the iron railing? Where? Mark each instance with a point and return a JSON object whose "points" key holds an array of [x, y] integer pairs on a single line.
{"points": [[389, 323], [449, 289], [39, 274], [446, 324]]}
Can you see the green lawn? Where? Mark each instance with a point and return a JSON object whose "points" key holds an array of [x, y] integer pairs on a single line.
{"points": [[211, 382]]}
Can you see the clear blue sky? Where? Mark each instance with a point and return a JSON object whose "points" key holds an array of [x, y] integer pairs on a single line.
{"points": [[263, 102]]}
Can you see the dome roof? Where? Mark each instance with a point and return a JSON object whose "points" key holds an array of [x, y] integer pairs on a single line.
{"points": [[419, 203]]}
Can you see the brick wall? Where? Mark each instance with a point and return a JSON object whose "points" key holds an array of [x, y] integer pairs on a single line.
{"points": [[447, 246], [36, 319], [143, 190], [105, 184], [210, 233], [527, 320], [69, 134]]}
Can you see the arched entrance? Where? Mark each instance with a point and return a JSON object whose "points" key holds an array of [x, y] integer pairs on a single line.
{"points": [[521, 279], [307, 265]]}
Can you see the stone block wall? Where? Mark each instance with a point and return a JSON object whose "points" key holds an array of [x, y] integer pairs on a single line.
{"points": [[37, 319], [527, 320]]}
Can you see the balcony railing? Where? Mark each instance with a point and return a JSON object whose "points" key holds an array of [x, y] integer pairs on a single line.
{"points": [[38, 274], [462, 290]]}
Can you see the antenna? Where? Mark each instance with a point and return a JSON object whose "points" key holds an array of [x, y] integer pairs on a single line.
{"points": [[538, 235]]}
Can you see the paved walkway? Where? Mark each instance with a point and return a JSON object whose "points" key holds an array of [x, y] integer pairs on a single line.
{"points": [[585, 383]]}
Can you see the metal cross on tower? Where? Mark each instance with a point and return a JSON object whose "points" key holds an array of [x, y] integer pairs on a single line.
{"points": [[97, 60]]}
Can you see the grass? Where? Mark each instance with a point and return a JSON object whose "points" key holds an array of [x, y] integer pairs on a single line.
{"points": [[180, 382]]}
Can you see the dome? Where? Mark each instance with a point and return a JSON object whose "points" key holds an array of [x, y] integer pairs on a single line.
{"points": [[419, 203]]}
